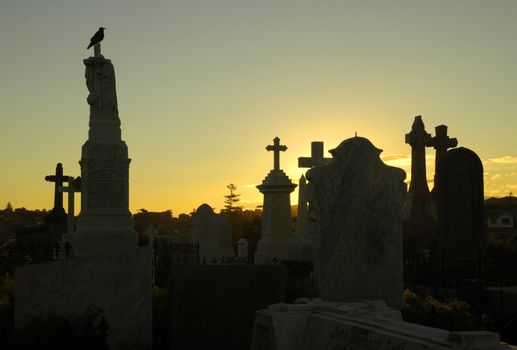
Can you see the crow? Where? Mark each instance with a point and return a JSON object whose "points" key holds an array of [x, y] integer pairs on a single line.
{"points": [[97, 37]]}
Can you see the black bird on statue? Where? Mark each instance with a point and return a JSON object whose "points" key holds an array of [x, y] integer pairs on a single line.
{"points": [[97, 37]]}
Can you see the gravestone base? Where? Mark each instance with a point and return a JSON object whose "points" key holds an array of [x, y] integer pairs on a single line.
{"points": [[273, 247], [118, 285], [315, 324]]}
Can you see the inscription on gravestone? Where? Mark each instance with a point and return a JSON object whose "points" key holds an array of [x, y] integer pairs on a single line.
{"points": [[342, 338], [106, 189]]}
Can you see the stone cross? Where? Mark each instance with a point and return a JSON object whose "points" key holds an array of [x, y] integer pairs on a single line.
{"points": [[74, 185], [441, 142], [276, 148], [58, 179], [316, 157]]}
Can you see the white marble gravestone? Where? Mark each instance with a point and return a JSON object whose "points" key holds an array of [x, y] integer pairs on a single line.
{"points": [[108, 272], [214, 234], [355, 213], [369, 325], [276, 235], [242, 250]]}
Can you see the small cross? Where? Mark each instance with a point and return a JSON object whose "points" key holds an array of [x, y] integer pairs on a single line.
{"points": [[316, 157], [58, 179], [276, 148], [441, 142]]}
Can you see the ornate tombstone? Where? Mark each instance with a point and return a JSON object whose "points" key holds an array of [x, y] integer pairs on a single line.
{"points": [[355, 210]]}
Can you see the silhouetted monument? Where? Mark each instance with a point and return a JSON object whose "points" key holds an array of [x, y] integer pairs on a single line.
{"points": [[355, 210], [276, 234], [441, 143], [418, 192], [104, 223], [459, 196], [56, 220], [109, 272], [419, 224], [213, 232]]}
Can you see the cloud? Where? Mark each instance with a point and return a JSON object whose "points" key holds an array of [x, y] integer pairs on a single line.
{"points": [[496, 176], [503, 160]]}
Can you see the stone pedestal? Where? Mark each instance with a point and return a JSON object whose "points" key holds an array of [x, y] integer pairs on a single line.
{"points": [[117, 286], [276, 235]]}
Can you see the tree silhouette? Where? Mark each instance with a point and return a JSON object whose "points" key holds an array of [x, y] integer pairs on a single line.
{"points": [[9, 207], [230, 203]]}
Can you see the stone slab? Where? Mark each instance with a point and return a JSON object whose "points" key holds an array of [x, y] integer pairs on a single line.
{"points": [[120, 285], [356, 326]]}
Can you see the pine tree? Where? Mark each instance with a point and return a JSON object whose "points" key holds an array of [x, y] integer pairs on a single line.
{"points": [[230, 203]]}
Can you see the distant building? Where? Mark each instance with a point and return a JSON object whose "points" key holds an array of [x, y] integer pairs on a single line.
{"points": [[501, 215]]}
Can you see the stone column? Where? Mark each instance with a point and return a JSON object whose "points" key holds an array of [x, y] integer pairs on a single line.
{"points": [[276, 232], [242, 250]]}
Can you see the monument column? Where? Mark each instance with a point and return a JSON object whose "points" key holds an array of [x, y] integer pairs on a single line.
{"points": [[104, 223], [418, 139], [276, 232]]}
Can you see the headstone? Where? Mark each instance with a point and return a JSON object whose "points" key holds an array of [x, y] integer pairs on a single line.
{"points": [[355, 208], [369, 325], [276, 233], [460, 206], [214, 234], [242, 250], [109, 272]]}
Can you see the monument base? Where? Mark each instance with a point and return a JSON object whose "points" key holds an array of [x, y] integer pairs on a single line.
{"points": [[118, 285], [368, 325], [271, 248]]}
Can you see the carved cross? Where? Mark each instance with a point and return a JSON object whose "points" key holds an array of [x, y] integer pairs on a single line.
{"points": [[418, 136], [441, 142], [58, 179], [316, 157], [276, 148], [74, 185]]}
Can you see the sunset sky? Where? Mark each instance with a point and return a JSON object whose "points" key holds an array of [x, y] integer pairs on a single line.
{"points": [[204, 86]]}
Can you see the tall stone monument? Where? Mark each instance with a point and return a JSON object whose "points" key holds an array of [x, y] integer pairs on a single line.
{"points": [[276, 234], [109, 273], [460, 206], [355, 210], [419, 225], [104, 223]]}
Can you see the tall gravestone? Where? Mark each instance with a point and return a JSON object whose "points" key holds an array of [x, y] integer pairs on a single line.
{"points": [[355, 209], [109, 274], [104, 223], [276, 233], [213, 232], [460, 206], [419, 224]]}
